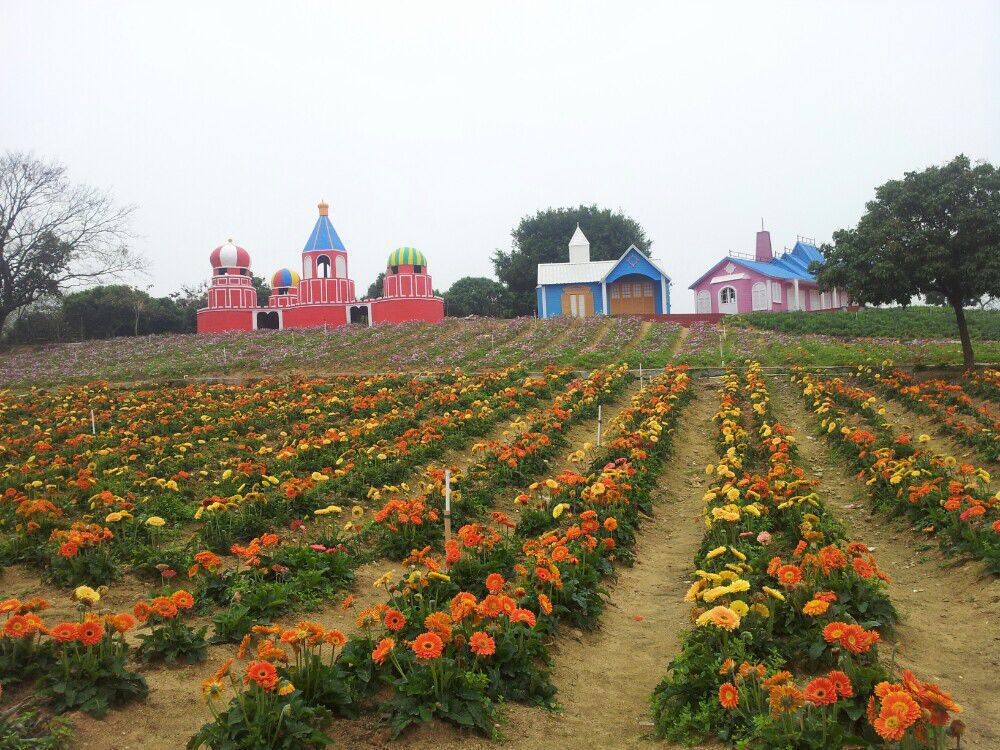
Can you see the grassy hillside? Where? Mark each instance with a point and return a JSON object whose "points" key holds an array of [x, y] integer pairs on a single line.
{"points": [[478, 345], [894, 323]]}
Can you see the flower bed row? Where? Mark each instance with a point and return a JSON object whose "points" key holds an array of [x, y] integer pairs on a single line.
{"points": [[947, 403], [985, 383], [787, 612], [943, 496], [464, 628]]}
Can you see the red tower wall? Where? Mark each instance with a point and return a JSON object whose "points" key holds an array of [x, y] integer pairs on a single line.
{"points": [[219, 320], [401, 310], [308, 316]]}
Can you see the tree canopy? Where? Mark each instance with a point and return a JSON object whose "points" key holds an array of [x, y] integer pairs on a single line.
{"points": [[54, 234], [544, 238], [375, 288], [476, 295], [934, 233]]}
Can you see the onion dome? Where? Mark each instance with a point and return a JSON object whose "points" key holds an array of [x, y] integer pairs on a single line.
{"points": [[230, 256], [407, 256], [284, 278]]}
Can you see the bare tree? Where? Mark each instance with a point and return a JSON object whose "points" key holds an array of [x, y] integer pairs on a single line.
{"points": [[55, 235]]}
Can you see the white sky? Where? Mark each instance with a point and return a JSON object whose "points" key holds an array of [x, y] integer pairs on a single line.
{"points": [[440, 125]]}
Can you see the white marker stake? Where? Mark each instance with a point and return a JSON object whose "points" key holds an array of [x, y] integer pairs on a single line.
{"points": [[641, 384], [93, 423], [447, 505], [225, 356], [598, 425]]}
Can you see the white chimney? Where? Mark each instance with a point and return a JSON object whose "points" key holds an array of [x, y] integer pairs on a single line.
{"points": [[579, 247]]}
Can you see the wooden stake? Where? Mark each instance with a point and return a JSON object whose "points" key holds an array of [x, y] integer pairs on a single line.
{"points": [[447, 505], [93, 422], [598, 425]]}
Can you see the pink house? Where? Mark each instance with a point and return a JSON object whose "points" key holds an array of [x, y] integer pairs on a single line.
{"points": [[764, 281]]}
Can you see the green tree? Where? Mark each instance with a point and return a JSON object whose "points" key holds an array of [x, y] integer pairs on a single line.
{"points": [[263, 290], [935, 233], [54, 235], [544, 238], [375, 290], [476, 295]]}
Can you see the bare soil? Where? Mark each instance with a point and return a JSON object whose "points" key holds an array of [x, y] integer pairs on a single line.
{"points": [[950, 612]]}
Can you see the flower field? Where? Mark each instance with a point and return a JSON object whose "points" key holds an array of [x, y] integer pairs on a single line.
{"points": [[446, 558]]}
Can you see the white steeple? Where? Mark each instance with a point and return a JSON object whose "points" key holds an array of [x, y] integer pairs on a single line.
{"points": [[579, 247]]}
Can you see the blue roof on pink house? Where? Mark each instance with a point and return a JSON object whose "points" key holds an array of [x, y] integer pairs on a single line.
{"points": [[791, 265]]}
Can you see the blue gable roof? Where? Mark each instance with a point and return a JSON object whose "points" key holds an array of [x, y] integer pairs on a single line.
{"points": [[792, 265], [633, 262], [324, 237]]}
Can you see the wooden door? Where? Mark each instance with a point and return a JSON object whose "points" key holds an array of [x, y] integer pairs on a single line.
{"points": [[577, 302], [632, 297]]}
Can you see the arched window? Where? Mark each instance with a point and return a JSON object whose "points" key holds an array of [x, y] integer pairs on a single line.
{"points": [[727, 300], [418, 269], [341, 266], [323, 267]]}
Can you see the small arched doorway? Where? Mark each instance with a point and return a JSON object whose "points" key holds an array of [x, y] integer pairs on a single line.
{"points": [[323, 267], [727, 300], [359, 315], [268, 320]]}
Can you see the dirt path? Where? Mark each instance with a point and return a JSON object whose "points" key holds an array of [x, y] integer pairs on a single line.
{"points": [[950, 629], [681, 338], [605, 677], [907, 420]]}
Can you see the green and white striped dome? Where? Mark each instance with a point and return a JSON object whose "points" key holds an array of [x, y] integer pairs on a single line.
{"points": [[407, 256]]}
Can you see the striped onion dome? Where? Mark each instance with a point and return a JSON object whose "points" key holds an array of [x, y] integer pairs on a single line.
{"points": [[229, 255], [407, 256], [284, 278]]}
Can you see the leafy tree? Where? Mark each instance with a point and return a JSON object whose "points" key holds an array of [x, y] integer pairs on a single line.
{"points": [[476, 295], [263, 290], [544, 237], [54, 234], [935, 232], [377, 286]]}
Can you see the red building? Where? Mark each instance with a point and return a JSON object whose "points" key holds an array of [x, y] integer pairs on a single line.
{"points": [[322, 295]]}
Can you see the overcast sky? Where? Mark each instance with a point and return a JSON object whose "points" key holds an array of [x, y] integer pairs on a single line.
{"points": [[439, 125]]}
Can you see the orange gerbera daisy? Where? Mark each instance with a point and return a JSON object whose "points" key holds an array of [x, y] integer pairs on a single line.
{"points": [[263, 673], [834, 631], [427, 646], [335, 638], [440, 623], [90, 633], [141, 610], [165, 608], [382, 650], [815, 607], [64, 632], [494, 583], [842, 683], [545, 604], [121, 623], [785, 699], [18, 626], [394, 619], [182, 599], [789, 575], [729, 696], [821, 692], [481, 644], [523, 615]]}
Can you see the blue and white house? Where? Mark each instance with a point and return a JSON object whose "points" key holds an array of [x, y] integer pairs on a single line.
{"points": [[631, 285]]}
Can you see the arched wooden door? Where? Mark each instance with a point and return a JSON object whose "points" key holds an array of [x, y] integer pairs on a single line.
{"points": [[727, 300]]}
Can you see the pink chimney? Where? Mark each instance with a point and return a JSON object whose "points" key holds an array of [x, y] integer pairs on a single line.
{"points": [[764, 253]]}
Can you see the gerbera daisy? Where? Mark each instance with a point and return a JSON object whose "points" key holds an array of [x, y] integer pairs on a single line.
{"points": [[842, 683], [90, 633], [427, 646], [729, 696], [382, 650], [394, 620], [821, 692], [494, 583], [335, 638], [64, 632], [481, 644], [182, 599], [263, 673]]}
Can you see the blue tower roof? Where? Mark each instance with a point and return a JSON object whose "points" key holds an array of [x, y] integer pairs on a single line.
{"points": [[324, 236]]}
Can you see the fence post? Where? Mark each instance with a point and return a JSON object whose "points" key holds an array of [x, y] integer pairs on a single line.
{"points": [[447, 505]]}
